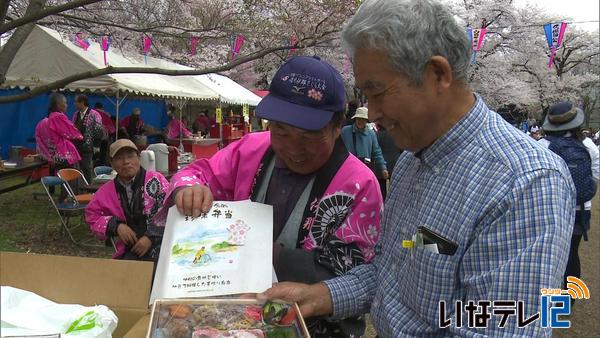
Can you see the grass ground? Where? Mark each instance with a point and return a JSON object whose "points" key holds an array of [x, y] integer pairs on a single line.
{"points": [[22, 220], [21, 229]]}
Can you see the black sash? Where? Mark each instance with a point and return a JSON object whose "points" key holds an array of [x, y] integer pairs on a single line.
{"points": [[80, 125], [134, 210], [323, 178]]}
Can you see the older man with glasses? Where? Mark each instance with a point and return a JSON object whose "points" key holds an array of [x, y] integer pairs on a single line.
{"points": [[478, 212]]}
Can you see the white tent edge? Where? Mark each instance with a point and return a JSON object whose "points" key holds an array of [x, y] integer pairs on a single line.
{"points": [[195, 88]]}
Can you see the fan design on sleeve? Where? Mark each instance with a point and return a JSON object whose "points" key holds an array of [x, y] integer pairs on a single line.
{"points": [[330, 215]]}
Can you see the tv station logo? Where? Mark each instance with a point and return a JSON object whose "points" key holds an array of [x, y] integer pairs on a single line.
{"points": [[555, 305]]}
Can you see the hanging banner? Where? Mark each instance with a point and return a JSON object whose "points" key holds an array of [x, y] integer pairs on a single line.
{"points": [[147, 45], [237, 43], [246, 110], [194, 40], [476, 35], [82, 41], [232, 38], [219, 115], [554, 37], [293, 42], [105, 45]]}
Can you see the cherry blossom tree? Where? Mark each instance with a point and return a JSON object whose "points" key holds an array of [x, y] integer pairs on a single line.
{"points": [[513, 65], [272, 30]]}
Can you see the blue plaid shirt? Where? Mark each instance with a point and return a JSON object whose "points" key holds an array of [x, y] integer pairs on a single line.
{"points": [[508, 204]]}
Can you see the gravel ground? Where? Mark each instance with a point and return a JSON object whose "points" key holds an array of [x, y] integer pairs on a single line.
{"points": [[585, 321]]}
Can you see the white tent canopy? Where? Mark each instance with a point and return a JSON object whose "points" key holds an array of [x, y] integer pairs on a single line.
{"points": [[46, 57], [228, 91]]}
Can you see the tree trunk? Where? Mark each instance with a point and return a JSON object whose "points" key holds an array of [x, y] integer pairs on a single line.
{"points": [[8, 52]]}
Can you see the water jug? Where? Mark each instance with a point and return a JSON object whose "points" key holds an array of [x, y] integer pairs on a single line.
{"points": [[161, 155], [147, 160]]}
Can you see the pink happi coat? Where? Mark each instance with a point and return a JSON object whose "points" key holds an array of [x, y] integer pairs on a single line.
{"points": [[126, 121], [107, 122], [105, 205], [175, 126], [53, 136], [353, 194], [94, 130]]}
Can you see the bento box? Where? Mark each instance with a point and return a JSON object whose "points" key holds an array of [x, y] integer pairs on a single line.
{"points": [[225, 317]]}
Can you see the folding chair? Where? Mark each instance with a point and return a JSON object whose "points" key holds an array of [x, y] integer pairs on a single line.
{"points": [[70, 175], [102, 170], [65, 210]]}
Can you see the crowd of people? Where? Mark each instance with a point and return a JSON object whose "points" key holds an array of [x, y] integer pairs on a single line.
{"points": [[476, 210], [87, 147]]}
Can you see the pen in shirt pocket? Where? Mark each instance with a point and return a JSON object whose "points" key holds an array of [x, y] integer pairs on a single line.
{"points": [[431, 242], [417, 241]]}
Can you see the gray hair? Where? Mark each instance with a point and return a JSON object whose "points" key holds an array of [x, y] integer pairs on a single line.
{"points": [[54, 100], [410, 32]]}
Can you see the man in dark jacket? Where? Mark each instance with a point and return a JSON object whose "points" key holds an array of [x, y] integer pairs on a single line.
{"points": [[390, 153]]}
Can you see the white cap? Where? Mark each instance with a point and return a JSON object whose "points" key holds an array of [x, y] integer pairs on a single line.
{"points": [[361, 112]]}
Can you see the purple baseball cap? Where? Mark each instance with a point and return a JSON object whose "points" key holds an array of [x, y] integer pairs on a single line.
{"points": [[305, 93]]}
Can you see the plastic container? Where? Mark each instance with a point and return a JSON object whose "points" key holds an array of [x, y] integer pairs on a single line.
{"points": [[161, 156], [148, 160], [15, 153]]}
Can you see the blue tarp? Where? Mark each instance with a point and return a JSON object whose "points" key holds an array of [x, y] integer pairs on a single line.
{"points": [[18, 119]]}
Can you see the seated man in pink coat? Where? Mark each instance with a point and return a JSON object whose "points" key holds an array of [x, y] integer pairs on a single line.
{"points": [[326, 202], [125, 207]]}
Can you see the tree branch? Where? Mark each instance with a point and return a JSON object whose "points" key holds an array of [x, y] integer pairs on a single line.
{"points": [[141, 70], [147, 29], [8, 53], [4, 10], [29, 18]]}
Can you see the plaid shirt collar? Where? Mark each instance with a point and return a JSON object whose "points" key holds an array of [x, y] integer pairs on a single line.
{"points": [[444, 148]]}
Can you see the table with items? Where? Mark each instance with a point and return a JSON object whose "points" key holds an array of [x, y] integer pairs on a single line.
{"points": [[15, 175]]}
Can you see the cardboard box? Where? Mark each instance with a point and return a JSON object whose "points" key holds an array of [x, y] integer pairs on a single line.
{"points": [[123, 286], [140, 329]]}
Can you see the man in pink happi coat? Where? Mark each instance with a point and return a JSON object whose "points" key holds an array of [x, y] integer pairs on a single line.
{"points": [[54, 136], [89, 123], [126, 207], [326, 202]]}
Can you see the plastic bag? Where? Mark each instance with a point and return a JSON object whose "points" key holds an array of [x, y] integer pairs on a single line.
{"points": [[25, 313]]}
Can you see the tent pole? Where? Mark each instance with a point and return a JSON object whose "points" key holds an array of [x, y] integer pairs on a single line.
{"points": [[221, 126], [117, 119], [118, 105], [181, 104], [114, 104]]}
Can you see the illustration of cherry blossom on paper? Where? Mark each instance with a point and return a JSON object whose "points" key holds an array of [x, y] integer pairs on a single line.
{"points": [[238, 232]]}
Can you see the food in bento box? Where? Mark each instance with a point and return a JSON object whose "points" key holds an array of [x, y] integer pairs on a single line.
{"points": [[213, 333], [180, 311], [176, 328], [225, 318]]}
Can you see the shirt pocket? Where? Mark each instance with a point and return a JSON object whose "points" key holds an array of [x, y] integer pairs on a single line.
{"points": [[428, 278]]}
